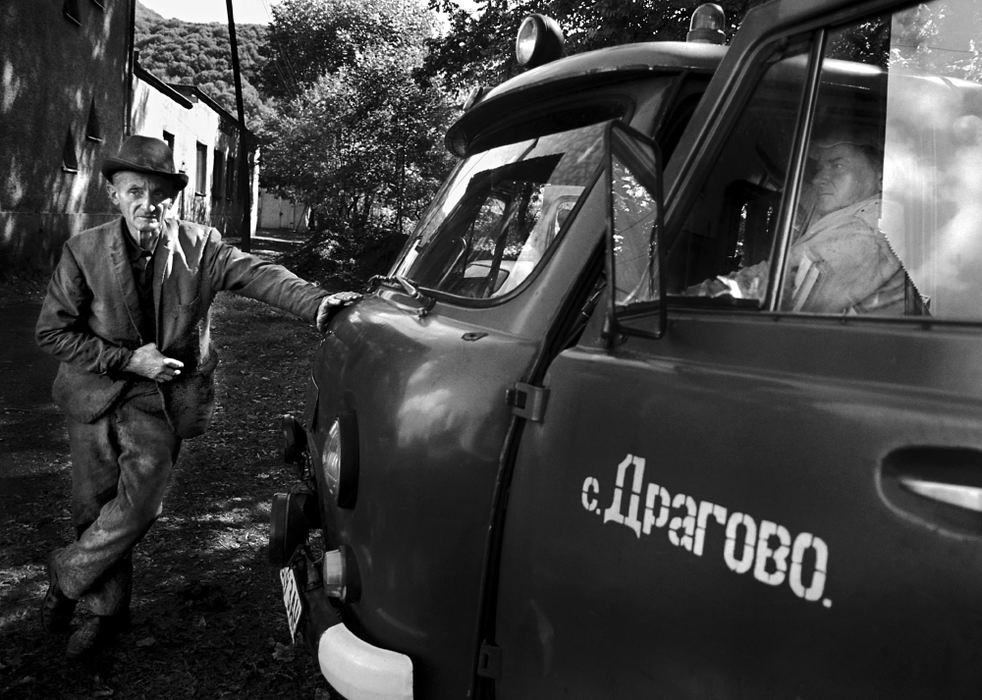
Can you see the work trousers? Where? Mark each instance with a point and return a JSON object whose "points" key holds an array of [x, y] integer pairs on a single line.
{"points": [[121, 465]]}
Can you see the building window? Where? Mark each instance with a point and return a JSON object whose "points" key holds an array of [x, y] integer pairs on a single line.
{"points": [[217, 175], [70, 9], [169, 140], [69, 158], [201, 181], [93, 132]]}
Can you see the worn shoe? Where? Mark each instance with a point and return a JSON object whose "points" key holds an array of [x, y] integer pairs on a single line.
{"points": [[94, 632], [56, 608]]}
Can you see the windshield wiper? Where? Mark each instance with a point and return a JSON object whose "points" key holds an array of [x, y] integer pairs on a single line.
{"points": [[425, 302]]}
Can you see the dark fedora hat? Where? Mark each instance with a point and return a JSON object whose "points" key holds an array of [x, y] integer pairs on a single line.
{"points": [[144, 154]]}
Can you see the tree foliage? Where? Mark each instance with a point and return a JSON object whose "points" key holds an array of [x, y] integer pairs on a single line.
{"points": [[363, 143], [308, 38], [479, 47], [200, 54]]}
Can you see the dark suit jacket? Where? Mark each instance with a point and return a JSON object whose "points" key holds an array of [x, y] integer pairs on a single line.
{"points": [[91, 316]]}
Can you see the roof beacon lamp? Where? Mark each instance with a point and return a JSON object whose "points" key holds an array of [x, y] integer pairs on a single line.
{"points": [[706, 26], [539, 41]]}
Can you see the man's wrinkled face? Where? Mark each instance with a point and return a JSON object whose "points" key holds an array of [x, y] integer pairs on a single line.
{"points": [[142, 199], [844, 176]]}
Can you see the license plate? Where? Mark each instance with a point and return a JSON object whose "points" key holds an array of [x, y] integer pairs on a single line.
{"points": [[291, 600]]}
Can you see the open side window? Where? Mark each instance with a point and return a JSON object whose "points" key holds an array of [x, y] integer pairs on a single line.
{"points": [[733, 225], [931, 147], [843, 187]]}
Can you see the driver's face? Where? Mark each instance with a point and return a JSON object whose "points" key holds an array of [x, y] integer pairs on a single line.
{"points": [[844, 176]]}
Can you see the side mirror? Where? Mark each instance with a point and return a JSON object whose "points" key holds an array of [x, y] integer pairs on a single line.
{"points": [[635, 283]]}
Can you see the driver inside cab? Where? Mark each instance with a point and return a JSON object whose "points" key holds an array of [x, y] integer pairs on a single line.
{"points": [[839, 262]]}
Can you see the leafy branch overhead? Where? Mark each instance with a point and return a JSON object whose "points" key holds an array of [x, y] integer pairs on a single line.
{"points": [[479, 48], [355, 132], [308, 39]]}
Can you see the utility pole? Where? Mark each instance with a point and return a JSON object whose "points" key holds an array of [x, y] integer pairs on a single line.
{"points": [[243, 185]]}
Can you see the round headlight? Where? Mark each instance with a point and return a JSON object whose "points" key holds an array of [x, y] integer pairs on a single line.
{"points": [[332, 458], [339, 459], [539, 41]]}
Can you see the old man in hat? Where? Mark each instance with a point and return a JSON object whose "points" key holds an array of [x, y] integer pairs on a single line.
{"points": [[127, 314]]}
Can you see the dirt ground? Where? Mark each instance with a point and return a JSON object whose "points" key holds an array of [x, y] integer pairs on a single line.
{"points": [[207, 616]]}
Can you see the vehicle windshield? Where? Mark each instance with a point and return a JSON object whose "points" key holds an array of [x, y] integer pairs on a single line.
{"points": [[502, 212]]}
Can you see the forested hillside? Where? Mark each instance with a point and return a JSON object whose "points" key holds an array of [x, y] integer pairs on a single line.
{"points": [[200, 54]]}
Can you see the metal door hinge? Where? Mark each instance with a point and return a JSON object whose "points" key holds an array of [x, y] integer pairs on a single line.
{"points": [[489, 662], [527, 401]]}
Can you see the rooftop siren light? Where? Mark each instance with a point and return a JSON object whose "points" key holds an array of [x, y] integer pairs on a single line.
{"points": [[539, 41], [706, 26]]}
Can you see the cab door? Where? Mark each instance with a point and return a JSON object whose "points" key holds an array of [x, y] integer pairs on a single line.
{"points": [[756, 496], [416, 377]]}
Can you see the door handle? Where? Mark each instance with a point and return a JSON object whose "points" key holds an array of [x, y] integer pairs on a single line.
{"points": [[939, 486], [968, 497]]}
